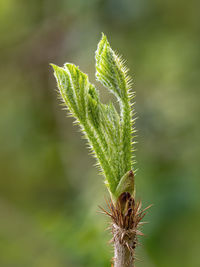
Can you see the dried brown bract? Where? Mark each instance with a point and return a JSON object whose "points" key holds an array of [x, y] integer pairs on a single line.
{"points": [[126, 217]]}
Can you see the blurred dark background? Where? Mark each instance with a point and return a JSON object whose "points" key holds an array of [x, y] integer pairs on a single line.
{"points": [[49, 188]]}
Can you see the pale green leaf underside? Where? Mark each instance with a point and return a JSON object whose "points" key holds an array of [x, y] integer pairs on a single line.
{"points": [[108, 133]]}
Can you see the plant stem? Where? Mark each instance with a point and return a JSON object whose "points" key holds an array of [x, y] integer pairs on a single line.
{"points": [[123, 257], [126, 215]]}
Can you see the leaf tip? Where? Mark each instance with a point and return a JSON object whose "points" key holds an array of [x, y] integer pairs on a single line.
{"points": [[53, 66]]}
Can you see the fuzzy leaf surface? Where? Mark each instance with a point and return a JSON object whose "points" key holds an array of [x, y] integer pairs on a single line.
{"points": [[109, 133]]}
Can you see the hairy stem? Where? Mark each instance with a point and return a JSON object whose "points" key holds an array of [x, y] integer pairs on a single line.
{"points": [[126, 215], [123, 257]]}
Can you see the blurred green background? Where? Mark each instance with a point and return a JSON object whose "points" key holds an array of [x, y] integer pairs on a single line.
{"points": [[49, 189]]}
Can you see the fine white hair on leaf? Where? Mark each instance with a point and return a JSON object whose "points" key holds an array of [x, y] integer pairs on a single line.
{"points": [[109, 133]]}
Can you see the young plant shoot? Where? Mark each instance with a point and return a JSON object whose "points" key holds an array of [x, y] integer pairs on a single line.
{"points": [[109, 135]]}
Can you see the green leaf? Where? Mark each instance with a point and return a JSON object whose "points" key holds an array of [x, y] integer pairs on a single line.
{"points": [[110, 70], [112, 73], [81, 98], [93, 107], [126, 184], [109, 134]]}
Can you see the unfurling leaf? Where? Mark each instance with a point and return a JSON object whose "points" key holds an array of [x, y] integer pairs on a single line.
{"points": [[109, 133]]}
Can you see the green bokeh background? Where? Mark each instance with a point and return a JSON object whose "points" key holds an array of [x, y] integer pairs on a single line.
{"points": [[49, 189]]}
